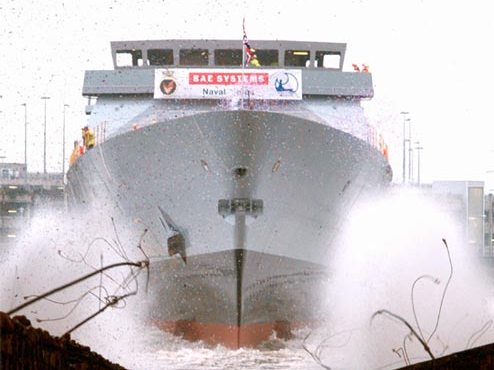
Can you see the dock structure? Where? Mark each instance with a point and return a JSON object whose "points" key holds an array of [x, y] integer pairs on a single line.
{"points": [[467, 204], [21, 194], [23, 346], [475, 358], [466, 200]]}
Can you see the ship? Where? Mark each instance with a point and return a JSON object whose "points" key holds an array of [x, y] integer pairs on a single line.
{"points": [[244, 175]]}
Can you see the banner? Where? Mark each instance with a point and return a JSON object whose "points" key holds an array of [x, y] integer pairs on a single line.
{"points": [[184, 83]]}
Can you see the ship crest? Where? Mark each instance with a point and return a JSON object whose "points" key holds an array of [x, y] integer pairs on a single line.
{"points": [[168, 85]]}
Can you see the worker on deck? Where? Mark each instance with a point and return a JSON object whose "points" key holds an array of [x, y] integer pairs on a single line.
{"points": [[76, 153], [88, 137], [254, 61]]}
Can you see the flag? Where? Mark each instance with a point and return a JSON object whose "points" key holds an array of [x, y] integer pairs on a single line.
{"points": [[249, 52]]}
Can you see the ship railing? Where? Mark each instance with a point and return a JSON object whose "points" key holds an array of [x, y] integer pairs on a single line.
{"points": [[100, 133], [375, 138]]}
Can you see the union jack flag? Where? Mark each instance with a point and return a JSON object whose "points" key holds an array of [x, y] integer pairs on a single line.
{"points": [[249, 52]]}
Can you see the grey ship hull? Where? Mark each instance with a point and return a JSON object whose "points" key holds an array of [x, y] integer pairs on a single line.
{"points": [[244, 276]]}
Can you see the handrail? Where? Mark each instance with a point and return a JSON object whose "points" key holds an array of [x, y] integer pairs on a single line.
{"points": [[375, 139]]}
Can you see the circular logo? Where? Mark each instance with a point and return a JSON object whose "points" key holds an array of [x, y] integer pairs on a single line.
{"points": [[286, 82], [168, 86]]}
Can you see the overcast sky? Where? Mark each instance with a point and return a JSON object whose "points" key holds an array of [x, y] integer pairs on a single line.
{"points": [[433, 59]]}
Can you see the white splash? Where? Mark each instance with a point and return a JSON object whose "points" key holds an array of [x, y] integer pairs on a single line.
{"points": [[385, 246]]}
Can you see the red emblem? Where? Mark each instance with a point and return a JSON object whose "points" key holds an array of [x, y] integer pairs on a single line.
{"points": [[168, 86]]}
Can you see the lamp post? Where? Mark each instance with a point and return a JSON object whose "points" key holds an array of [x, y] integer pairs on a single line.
{"points": [[63, 144], [1, 96], [410, 152], [418, 148], [25, 140], [404, 143], [45, 98], [490, 208]]}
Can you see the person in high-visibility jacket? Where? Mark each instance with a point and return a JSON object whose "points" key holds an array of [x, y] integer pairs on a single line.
{"points": [[76, 153], [88, 137], [254, 61]]}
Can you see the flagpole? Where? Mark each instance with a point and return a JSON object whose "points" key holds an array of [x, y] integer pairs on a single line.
{"points": [[243, 63]]}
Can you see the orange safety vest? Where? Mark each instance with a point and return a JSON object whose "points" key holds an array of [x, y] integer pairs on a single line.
{"points": [[74, 155], [385, 151]]}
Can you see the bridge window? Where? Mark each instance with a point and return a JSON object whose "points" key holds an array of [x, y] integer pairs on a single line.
{"points": [[297, 58], [160, 57], [194, 57], [228, 57], [267, 57], [129, 58], [328, 59]]}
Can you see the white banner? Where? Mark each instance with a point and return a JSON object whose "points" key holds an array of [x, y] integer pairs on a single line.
{"points": [[183, 83]]}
